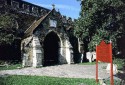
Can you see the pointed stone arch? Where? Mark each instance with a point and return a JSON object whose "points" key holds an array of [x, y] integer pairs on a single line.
{"points": [[51, 47]]}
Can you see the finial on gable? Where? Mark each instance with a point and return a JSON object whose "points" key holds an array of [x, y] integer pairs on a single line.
{"points": [[53, 5]]}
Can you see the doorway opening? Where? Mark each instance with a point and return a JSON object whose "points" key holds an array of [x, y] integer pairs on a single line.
{"points": [[51, 49]]}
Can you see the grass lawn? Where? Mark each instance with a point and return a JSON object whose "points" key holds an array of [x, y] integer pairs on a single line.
{"points": [[10, 67], [88, 63], [42, 80]]}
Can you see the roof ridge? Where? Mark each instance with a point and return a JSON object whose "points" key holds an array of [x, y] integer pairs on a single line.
{"points": [[35, 24]]}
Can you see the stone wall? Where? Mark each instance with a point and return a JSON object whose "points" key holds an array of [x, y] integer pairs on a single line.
{"points": [[27, 51], [33, 53]]}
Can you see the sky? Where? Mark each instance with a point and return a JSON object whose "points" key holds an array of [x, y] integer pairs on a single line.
{"points": [[69, 8]]}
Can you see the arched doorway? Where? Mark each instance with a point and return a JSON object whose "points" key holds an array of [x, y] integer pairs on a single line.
{"points": [[51, 49]]}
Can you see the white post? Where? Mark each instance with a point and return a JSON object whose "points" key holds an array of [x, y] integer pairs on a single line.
{"points": [[37, 53], [68, 55], [78, 45], [34, 54]]}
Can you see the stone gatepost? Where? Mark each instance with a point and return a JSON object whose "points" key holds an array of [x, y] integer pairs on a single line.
{"points": [[37, 53], [62, 58], [65, 53], [68, 52]]}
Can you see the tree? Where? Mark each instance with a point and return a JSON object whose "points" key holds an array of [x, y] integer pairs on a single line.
{"points": [[8, 28], [100, 20]]}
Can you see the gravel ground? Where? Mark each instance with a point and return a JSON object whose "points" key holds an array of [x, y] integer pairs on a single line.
{"points": [[69, 71]]}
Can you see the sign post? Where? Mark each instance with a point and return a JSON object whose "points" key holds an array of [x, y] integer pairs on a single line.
{"points": [[104, 54], [96, 64]]}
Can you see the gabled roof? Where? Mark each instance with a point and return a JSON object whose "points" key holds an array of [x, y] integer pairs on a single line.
{"points": [[35, 24]]}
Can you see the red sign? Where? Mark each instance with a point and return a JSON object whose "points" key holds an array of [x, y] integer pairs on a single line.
{"points": [[104, 54]]}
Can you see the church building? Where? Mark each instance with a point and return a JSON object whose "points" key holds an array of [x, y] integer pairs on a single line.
{"points": [[47, 36]]}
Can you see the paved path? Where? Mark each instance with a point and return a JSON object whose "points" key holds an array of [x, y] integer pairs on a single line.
{"points": [[70, 71]]}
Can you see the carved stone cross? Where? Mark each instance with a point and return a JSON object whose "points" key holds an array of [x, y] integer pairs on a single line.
{"points": [[53, 6]]}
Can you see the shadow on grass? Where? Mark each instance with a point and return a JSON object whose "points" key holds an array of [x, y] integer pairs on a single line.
{"points": [[11, 67], [2, 81]]}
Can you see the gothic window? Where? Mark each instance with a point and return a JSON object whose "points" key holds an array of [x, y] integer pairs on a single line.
{"points": [[53, 23], [69, 20], [15, 4], [64, 19], [43, 12], [26, 7], [36, 42], [34, 9]]}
